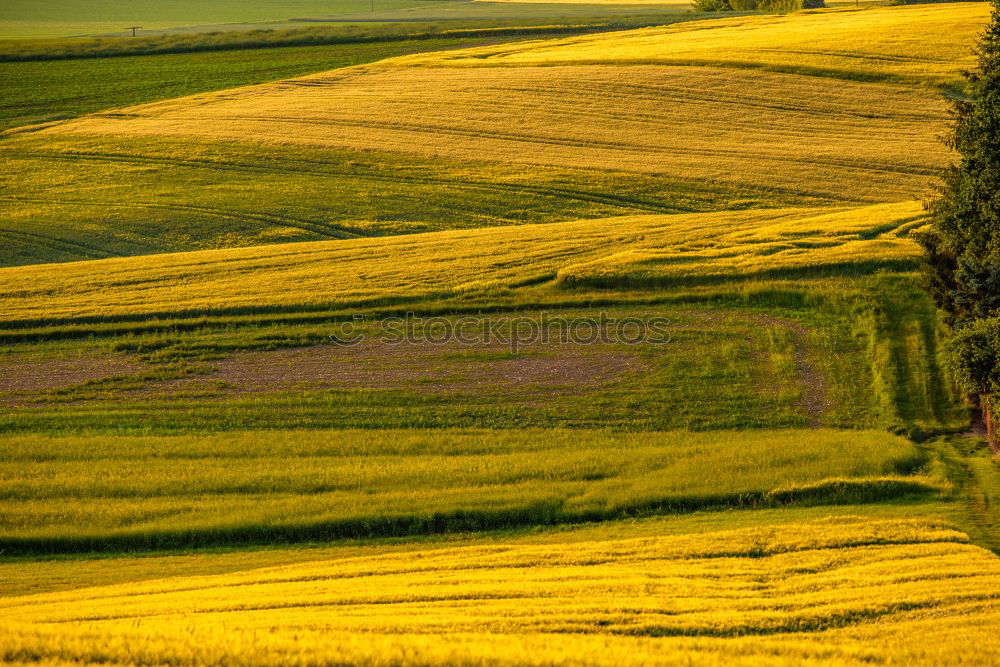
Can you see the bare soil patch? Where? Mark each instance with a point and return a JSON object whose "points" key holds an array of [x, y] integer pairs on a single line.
{"points": [[815, 399], [554, 369], [21, 375]]}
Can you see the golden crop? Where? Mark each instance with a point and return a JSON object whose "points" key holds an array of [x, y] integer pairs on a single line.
{"points": [[723, 101], [454, 262], [845, 591], [812, 136], [929, 44], [774, 107]]}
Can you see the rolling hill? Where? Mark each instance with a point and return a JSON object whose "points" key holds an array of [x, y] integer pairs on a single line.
{"points": [[699, 248], [690, 121]]}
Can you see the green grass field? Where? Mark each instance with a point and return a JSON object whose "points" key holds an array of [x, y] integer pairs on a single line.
{"points": [[28, 20], [321, 353], [170, 492]]}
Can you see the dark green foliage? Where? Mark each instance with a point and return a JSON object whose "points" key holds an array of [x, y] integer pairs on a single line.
{"points": [[771, 6], [712, 5], [974, 354], [966, 236], [963, 249]]}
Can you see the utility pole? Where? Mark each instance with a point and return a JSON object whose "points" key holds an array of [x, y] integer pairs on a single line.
{"points": [[139, 27]]}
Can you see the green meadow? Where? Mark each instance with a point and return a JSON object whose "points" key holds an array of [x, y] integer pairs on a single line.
{"points": [[30, 21], [26, 19], [170, 492]]}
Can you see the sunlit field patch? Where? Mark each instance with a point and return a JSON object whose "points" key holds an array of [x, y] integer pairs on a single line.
{"points": [[804, 281], [806, 135], [85, 199], [928, 43], [827, 592], [736, 113], [348, 272]]}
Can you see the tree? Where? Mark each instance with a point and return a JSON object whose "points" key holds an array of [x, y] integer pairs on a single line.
{"points": [[962, 250]]}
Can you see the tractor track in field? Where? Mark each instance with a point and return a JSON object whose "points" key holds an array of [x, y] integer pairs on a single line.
{"points": [[815, 399], [866, 166], [552, 192], [893, 58], [815, 396], [58, 244], [323, 229], [687, 94], [975, 473]]}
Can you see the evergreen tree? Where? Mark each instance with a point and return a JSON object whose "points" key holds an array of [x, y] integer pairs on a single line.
{"points": [[963, 249]]}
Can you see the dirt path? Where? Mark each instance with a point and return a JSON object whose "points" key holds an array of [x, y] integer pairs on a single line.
{"points": [[815, 399], [975, 474]]}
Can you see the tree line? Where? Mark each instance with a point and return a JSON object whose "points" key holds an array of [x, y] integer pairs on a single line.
{"points": [[962, 248]]}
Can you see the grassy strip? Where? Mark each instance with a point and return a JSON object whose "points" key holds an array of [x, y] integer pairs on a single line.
{"points": [[148, 493], [379, 385], [775, 295], [973, 470], [856, 268], [878, 334], [64, 49], [825, 492]]}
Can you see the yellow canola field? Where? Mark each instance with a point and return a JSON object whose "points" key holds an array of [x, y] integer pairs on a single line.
{"points": [[810, 136], [440, 264], [777, 102], [836, 591], [929, 43], [851, 241]]}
